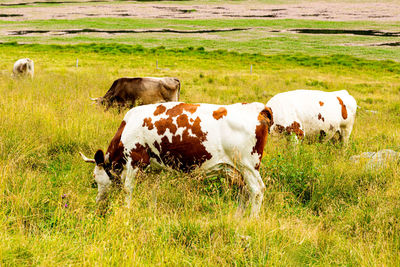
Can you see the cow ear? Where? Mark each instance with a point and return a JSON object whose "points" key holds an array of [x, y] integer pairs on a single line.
{"points": [[99, 157]]}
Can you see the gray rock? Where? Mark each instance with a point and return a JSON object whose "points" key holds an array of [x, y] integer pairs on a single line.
{"points": [[376, 160]]}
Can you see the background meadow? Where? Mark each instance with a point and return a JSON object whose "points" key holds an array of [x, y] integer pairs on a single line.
{"points": [[319, 208]]}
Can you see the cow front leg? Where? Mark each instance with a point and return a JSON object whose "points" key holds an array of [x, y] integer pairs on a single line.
{"points": [[128, 185]]}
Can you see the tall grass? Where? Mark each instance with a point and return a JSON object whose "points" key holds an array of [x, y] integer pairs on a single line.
{"points": [[319, 208]]}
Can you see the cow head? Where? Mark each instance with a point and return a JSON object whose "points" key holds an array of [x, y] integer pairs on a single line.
{"points": [[101, 173], [102, 101], [23, 68]]}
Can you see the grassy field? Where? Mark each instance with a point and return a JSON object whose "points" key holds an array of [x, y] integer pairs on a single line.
{"points": [[319, 208], [255, 36]]}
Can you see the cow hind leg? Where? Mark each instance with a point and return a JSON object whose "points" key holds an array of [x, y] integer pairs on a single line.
{"points": [[345, 132], [243, 202], [256, 189], [235, 177]]}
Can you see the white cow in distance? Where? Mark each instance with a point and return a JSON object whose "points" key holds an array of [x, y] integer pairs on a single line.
{"points": [[23, 67], [313, 113]]}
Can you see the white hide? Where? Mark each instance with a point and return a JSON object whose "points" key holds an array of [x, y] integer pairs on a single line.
{"points": [[23, 67], [232, 134], [304, 107]]}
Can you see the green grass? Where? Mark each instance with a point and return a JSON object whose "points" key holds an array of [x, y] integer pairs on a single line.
{"points": [[259, 37], [129, 23], [319, 208]]}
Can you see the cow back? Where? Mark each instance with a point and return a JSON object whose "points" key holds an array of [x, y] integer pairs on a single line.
{"points": [[312, 111], [184, 136]]}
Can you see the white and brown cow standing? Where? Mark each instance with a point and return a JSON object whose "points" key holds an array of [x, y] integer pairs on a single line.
{"points": [[184, 136], [313, 113], [23, 67]]}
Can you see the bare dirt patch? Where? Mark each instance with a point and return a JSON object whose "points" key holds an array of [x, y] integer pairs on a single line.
{"points": [[320, 10]]}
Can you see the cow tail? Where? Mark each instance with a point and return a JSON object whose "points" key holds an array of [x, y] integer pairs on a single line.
{"points": [[266, 116], [179, 88]]}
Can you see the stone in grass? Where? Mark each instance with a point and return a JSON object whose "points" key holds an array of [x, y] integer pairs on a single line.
{"points": [[377, 160]]}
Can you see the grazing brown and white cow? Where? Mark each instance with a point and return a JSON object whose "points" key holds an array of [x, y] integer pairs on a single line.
{"points": [[313, 113], [23, 67], [184, 136], [127, 92]]}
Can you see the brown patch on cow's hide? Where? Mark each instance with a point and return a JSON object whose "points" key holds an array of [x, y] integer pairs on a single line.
{"points": [[184, 151], [187, 150], [295, 128], [219, 113], [183, 121], [321, 103], [196, 129], [147, 122], [116, 150], [320, 117], [265, 118], [163, 124], [159, 110], [178, 109], [139, 155], [244, 103], [344, 110]]}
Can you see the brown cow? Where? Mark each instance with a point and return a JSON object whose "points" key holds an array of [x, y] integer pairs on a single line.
{"points": [[128, 92]]}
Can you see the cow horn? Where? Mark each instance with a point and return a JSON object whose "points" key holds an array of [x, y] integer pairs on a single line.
{"points": [[86, 159], [94, 99]]}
